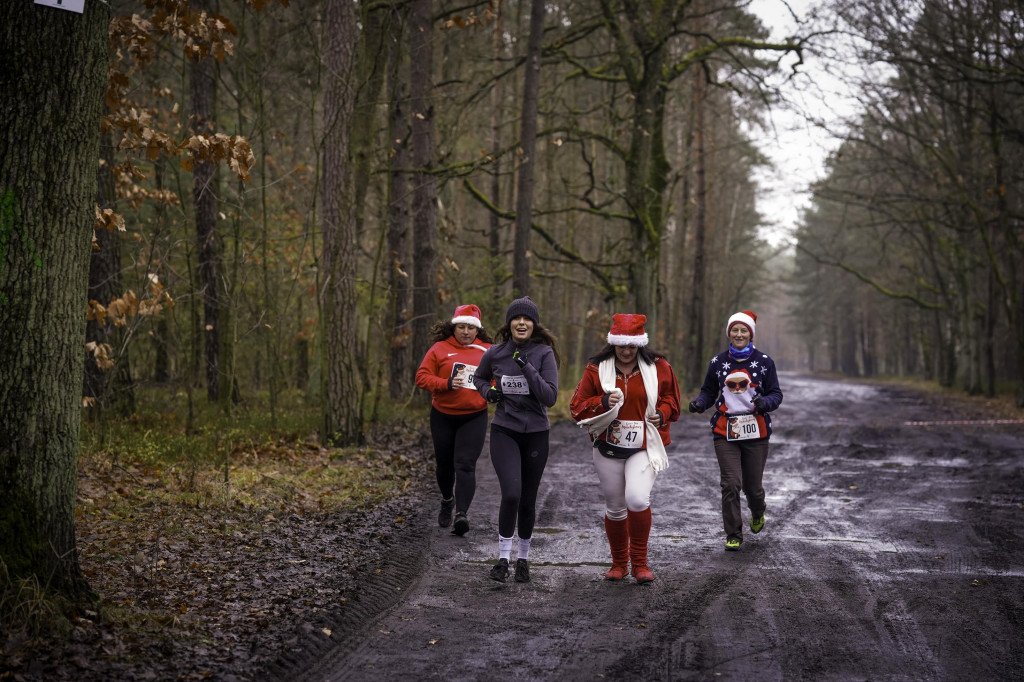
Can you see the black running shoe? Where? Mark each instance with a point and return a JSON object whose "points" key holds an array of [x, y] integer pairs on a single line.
{"points": [[444, 517], [499, 571], [522, 571], [461, 523]]}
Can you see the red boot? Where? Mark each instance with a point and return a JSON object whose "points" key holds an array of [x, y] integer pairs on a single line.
{"points": [[618, 540], [639, 531]]}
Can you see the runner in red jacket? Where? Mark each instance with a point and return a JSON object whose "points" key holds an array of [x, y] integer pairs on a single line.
{"points": [[626, 400], [458, 414]]}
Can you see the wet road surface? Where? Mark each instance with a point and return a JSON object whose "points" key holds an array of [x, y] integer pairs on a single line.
{"points": [[891, 552]]}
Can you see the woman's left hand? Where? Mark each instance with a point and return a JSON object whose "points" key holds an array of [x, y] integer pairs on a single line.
{"points": [[655, 419]]}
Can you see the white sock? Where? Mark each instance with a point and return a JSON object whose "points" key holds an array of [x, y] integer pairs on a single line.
{"points": [[504, 547], [524, 548]]}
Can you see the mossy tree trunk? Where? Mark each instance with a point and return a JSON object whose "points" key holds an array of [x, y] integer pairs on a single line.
{"points": [[49, 146]]}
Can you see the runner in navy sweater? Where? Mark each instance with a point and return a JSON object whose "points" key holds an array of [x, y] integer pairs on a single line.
{"points": [[742, 384], [519, 373]]}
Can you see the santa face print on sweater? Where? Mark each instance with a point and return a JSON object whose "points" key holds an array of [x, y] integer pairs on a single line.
{"points": [[738, 392]]}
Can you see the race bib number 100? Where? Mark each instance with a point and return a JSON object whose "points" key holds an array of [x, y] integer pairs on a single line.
{"points": [[514, 385], [743, 427]]}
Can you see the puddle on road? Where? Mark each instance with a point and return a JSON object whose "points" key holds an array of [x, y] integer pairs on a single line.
{"points": [[868, 544]]}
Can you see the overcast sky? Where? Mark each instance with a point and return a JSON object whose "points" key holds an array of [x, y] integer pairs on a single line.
{"points": [[798, 148]]}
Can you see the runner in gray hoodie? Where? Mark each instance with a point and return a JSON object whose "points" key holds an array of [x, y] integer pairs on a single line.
{"points": [[519, 373]]}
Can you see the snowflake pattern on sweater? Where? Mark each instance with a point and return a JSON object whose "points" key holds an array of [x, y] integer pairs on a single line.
{"points": [[731, 385]]}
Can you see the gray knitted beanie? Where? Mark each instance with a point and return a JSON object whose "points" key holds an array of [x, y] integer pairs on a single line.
{"points": [[522, 306]]}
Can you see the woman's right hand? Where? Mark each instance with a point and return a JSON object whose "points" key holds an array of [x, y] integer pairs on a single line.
{"points": [[614, 399]]}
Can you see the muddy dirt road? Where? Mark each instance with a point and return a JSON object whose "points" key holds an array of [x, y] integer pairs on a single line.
{"points": [[891, 552]]}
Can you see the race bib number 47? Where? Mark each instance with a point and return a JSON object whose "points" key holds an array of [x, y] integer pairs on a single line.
{"points": [[626, 433], [514, 385]]}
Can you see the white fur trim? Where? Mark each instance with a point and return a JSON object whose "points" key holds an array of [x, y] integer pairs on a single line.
{"points": [[745, 319], [467, 319], [624, 340]]}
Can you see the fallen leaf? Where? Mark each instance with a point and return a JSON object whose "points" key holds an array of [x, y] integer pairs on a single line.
{"points": [[326, 631]]}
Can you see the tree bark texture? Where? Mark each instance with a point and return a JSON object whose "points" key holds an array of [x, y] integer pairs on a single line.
{"points": [[527, 152], [401, 367], [424, 196], [50, 106], [342, 413], [497, 97], [204, 202]]}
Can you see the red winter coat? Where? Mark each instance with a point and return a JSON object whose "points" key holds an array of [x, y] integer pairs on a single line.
{"points": [[441, 363], [588, 399]]}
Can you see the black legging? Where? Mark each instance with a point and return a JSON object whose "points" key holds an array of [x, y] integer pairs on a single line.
{"points": [[458, 440], [519, 460]]}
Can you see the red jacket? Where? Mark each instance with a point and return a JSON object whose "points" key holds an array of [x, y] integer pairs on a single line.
{"points": [[441, 362], [587, 400]]}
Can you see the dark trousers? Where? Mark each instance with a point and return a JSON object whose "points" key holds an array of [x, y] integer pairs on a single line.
{"points": [[741, 463], [458, 441], [519, 460]]}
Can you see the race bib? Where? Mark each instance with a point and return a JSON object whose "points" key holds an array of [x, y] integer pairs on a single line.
{"points": [[626, 433], [514, 385], [465, 373], [742, 427]]}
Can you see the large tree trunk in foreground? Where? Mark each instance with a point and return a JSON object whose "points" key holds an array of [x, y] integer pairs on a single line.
{"points": [[49, 147]]}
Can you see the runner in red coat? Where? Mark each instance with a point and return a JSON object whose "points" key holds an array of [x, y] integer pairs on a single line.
{"points": [[626, 400], [458, 414]]}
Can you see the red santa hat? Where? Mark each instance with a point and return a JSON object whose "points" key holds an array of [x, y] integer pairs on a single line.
{"points": [[746, 318], [628, 330], [467, 314]]}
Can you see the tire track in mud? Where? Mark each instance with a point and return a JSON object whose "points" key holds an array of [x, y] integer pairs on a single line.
{"points": [[314, 653]]}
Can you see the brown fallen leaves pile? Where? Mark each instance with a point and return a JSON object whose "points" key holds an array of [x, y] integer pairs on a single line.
{"points": [[204, 572]]}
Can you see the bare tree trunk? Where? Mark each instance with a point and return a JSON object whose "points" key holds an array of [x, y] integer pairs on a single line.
{"points": [[204, 200], [110, 387], [424, 197], [497, 97], [527, 149], [400, 363], [342, 409], [698, 291], [54, 63]]}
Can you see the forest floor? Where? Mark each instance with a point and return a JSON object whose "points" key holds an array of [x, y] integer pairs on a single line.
{"points": [[893, 550]]}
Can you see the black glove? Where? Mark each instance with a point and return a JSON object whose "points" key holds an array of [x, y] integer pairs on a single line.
{"points": [[493, 395], [520, 359], [760, 404], [450, 380], [695, 406]]}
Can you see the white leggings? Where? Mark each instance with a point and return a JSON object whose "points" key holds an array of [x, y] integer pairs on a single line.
{"points": [[625, 483]]}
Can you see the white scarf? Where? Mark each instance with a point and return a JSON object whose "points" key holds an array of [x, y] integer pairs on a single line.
{"points": [[656, 454]]}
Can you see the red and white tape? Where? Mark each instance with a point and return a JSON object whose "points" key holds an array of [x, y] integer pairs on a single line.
{"points": [[966, 422]]}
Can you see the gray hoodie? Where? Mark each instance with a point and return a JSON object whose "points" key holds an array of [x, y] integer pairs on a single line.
{"points": [[527, 392]]}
